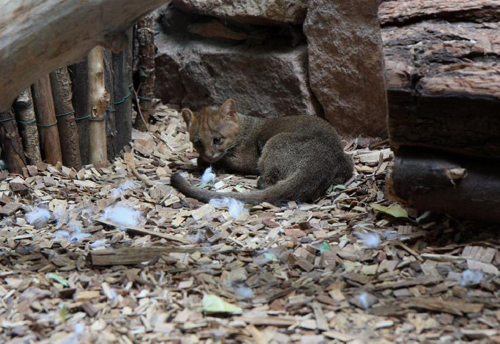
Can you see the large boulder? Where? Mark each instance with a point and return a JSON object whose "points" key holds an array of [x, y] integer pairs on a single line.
{"points": [[265, 82], [346, 68], [259, 12]]}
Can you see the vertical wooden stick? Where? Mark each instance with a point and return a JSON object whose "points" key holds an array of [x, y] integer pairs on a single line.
{"points": [[80, 81], [25, 113], [145, 37], [122, 69], [65, 114], [46, 121], [98, 104], [110, 117], [12, 147]]}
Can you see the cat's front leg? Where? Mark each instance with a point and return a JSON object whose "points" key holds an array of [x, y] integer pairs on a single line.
{"points": [[202, 164]]}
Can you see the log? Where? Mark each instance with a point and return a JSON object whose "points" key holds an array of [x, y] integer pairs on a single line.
{"points": [[65, 115], [110, 112], [132, 255], [441, 182], [46, 121], [12, 147], [79, 81], [122, 69], [25, 114], [147, 52], [98, 104], [58, 33], [440, 83]]}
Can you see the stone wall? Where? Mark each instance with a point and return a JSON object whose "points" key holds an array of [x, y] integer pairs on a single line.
{"points": [[257, 53]]}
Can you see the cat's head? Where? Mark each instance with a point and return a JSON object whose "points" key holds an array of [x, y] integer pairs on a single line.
{"points": [[213, 131]]}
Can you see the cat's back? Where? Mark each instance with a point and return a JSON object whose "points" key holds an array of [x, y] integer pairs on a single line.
{"points": [[308, 126]]}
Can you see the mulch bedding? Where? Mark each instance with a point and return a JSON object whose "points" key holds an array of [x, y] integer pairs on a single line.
{"points": [[117, 255]]}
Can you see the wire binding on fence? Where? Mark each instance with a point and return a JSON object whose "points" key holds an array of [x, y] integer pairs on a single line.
{"points": [[66, 113], [6, 119], [48, 124], [33, 121]]}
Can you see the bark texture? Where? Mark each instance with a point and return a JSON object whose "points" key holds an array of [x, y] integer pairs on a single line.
{"points": [[122, 84], [109, 77], [46, 121], [25, 114], [444, 86], [65, 114], [147, 52], [98, 104], [12, 147], [80, 84], [49, 34]]}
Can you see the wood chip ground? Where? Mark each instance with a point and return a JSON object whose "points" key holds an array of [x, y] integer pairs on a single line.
{"points": [[289, 273]]}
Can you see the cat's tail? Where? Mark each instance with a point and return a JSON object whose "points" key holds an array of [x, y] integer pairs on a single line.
{"points": [[282, 191]]}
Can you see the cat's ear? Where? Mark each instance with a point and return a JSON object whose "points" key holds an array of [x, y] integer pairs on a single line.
{"points": [[228, 109], [188, 116]]}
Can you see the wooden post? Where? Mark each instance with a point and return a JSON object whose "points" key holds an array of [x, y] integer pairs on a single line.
{"points": [[122, 69], [110, 114], [25, 114], [80, 84], [145, 38], [12, 147], [98, 104], [46, 121], [65, 114]]}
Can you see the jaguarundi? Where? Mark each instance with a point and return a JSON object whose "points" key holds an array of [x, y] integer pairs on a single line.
{"points": [[297, 157]]}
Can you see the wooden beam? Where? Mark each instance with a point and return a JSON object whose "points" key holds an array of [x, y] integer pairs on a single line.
{"points": [[36, 37]]}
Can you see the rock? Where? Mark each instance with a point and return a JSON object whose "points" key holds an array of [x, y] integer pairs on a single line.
{"points": [[346, 68], [264, 82], [215, 29], [259, 12]]}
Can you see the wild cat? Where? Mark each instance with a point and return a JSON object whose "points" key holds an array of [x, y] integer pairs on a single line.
{"points": [[297, 157]]}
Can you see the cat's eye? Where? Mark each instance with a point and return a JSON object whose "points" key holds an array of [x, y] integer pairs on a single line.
{"points": [[197, 143], [217, 140]]}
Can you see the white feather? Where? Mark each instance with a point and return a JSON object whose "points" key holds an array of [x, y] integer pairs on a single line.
{"points": [[363, 300], [79, 328], [61, 235], [122, 215], [470, 277], [370, 240], [38, 216], [77, 235], [98, 243], [208, 176], [117, 192], [243, 292], [235, 207]]}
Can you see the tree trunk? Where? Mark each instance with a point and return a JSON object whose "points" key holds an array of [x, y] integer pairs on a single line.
{"points": [[25, 113], [46, 121], [145, 38], [80, 84], [12, 148], [110, 113], [443, 76], [98, 104], [60, 32], [441, 182], [65, 114], [122, 69]]}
